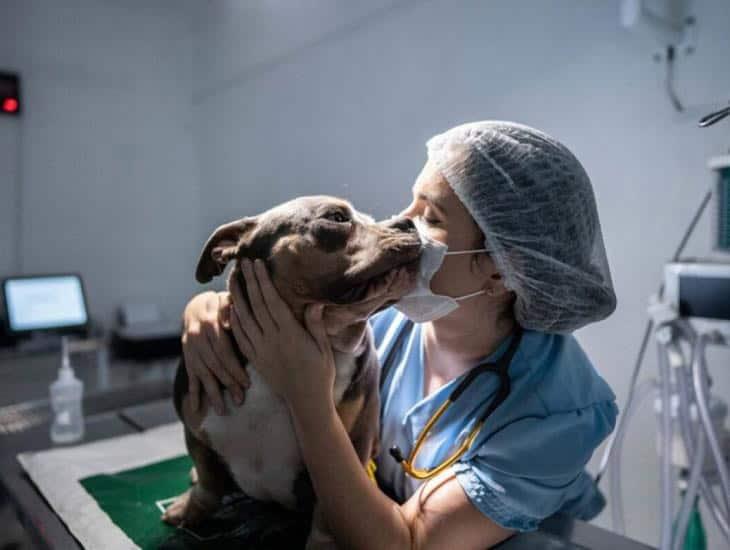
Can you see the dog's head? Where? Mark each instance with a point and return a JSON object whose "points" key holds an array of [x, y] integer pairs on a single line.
{"points": [[316, 249]]}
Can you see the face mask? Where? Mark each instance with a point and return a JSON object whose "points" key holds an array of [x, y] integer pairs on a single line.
{"points": [[421, 305]]}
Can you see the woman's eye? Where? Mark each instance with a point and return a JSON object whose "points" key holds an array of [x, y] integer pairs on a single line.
{"points": [[428, 217], [338, 217]]}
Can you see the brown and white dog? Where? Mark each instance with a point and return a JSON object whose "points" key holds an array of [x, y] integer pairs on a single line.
{"points": [[317, 249]]}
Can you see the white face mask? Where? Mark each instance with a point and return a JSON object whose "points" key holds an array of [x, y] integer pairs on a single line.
{"points": [[421, 305]]}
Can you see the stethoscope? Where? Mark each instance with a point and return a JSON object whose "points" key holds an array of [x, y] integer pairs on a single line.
{"points": [[500, 368]]}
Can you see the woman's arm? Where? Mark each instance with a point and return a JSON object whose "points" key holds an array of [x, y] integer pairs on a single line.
{"points": [[208, 352], [358, 514]]}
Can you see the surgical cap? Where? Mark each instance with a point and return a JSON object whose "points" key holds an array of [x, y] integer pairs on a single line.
{"points": [[534, 203]]}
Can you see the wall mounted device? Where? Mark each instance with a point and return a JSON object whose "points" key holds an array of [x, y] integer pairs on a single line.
{"points": [[10, 102], [663, 19], [672, 28]]}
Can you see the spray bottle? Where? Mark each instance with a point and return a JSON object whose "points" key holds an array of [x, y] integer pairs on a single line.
{"points": [[66, 393]]}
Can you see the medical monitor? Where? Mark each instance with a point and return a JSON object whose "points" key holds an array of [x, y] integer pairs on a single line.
{"points": [[44, 303], [700, 291]]}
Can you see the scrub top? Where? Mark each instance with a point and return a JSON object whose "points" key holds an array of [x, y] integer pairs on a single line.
{"points": [[528, 461]]}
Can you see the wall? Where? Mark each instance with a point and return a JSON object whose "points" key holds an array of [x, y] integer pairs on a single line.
{"points": [[103, 154], [340, 100], [9, 181]]}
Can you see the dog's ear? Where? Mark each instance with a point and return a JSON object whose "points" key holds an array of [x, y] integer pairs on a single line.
{"points": [[223, 245]]}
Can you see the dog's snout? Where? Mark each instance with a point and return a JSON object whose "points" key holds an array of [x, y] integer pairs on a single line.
{"points": [[401, 223]]}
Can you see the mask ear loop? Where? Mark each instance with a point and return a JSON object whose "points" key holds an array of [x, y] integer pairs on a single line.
{"points": [[473, 251], [477, 293]]}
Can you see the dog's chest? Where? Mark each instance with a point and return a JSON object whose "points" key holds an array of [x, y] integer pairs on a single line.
{"points": [[257, 440]]}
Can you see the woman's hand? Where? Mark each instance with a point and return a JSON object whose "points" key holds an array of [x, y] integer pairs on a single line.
{"points": [[295, 360], [210, 359]]}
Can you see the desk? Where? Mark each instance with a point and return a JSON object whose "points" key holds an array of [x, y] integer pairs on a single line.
{"points": [[133, 410], [27, 376]]}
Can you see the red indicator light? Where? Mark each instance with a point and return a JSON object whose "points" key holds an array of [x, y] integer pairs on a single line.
{"points": [[10, 105]]}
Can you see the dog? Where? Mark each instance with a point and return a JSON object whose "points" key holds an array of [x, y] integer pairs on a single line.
{"points": [[316, 249]]}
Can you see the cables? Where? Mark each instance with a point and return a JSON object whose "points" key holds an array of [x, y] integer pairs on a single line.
{"points": [[623, 419], [686, 431], [690, 494], [664, 335], [647, 332], [683, 386], [646, 389], [699, 379], [669, 80]]}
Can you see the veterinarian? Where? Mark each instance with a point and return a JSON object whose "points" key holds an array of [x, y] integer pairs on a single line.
{"points": [[523, 207]]}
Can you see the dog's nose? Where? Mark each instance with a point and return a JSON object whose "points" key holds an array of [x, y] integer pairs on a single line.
{"points": [[401, 223]]}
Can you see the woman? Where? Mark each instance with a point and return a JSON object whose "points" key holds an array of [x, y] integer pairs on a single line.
{"points": [[522, 207]]}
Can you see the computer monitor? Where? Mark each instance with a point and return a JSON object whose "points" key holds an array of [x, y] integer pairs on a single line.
{"points": [[44, 303]]}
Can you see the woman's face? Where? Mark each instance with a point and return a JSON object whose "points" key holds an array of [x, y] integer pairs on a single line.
{"points": [[447, 220]]}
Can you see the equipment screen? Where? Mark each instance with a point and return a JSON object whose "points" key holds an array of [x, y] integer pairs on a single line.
{"points": [[44, 303], [707, 297]]}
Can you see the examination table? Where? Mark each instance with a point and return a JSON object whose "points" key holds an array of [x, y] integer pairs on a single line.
{"points": [[144, 406]]}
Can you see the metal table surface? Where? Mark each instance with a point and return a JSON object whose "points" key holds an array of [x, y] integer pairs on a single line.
{"points": [[133, 410], [106, 415]]}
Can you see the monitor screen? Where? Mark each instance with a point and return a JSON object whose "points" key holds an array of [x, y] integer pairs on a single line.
{"points": [[704, 296], [44, 303]]}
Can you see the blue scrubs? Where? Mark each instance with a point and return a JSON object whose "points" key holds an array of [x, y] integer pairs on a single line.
{"points": [[529, 459]]}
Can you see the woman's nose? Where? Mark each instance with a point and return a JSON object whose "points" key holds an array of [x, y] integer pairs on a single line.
{"points": [[409, 212]]}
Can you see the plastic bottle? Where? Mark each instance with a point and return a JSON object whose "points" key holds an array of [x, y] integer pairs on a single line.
{"points": [[66, 394]]}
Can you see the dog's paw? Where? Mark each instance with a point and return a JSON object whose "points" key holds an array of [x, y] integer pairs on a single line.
{"points": [[187, 510], [175, 513]]}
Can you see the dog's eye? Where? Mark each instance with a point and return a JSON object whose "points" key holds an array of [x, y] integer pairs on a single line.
{"points": [[337, 216]]}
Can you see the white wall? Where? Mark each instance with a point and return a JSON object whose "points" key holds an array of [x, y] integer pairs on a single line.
{"points": [[104, 149], [337, 99], [9, 181]]}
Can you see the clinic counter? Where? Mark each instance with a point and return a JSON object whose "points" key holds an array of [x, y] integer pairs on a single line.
{"points": [[136, 409]]}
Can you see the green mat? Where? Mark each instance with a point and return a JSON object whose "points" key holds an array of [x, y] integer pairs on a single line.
{"points": [[134, 499], [112, 493]]}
